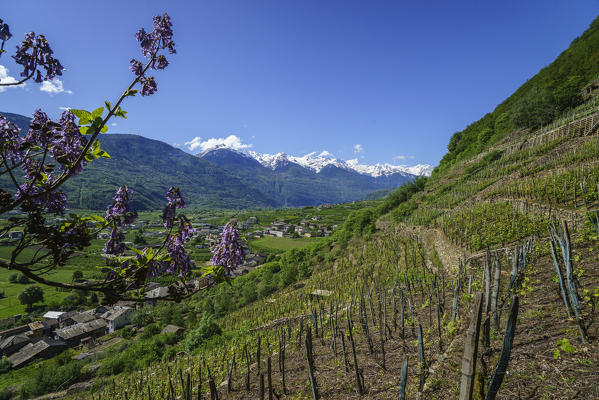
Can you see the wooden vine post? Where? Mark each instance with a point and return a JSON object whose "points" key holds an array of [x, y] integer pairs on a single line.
{"points": [[471, 350]]}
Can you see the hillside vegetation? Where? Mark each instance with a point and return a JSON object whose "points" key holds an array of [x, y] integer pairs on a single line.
{"points": [[551, 92], [384, 308]]}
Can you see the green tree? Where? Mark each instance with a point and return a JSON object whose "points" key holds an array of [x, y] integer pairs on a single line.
{"points": [[206, 329], [142, 318], [77, 275], [31, 295]]}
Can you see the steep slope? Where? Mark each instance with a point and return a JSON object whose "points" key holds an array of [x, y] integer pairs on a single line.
{"points": [[315, 180], [150, 167], [552, 91], [402, 290]]}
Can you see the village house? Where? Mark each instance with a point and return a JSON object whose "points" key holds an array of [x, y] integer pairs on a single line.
{"points": [[12, 344], [54, 318], [174, 329], [36, 330], [72, 335], [42, 349], [154, 294], [279, 226], [14, 331], [84, 317], [118, 318], [15, 235], [67, 319], [273, 232]]}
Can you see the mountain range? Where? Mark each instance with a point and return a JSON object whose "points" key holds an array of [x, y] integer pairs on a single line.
{"points": [[222, 177]]}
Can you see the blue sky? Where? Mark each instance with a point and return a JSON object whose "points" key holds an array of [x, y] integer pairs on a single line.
{"points": [[396, 77]]}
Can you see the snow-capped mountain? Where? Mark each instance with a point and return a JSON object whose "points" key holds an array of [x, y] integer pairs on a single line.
{"points": [[315, 178], [316, 162]]}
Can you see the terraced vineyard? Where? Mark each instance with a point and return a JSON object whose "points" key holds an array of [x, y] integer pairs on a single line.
{"points": [[481, 282], [404, 293]]}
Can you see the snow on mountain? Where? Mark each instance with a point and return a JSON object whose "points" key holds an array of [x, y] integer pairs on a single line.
{"points": [[317, 161], [272, 161], [420, 169]]}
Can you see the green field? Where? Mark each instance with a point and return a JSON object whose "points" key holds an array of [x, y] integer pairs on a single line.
{"points": [[86, 263], [277, 243]]}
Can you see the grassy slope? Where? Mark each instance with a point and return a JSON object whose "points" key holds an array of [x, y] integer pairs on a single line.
{"points": [[470, 204], [283, 243], [457, 214]]}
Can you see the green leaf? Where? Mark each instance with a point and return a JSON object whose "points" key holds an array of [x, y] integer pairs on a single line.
{"points": [[84, 130], [107, 104], [103, 154], [89, 157], [131, 92], [97, 112], [80, 113], [120, 113], [97, 218], [84, 121], [133, 249], [95, 146], [104, 129]]}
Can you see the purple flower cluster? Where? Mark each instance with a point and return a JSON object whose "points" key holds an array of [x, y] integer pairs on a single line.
{"points": [[10, 141], [46, 140], [35, 53], [228, 254], [151, 43], [52, 201], [4, 31], [58, 141], [117, 214], [174, 201], [180, 263], [149, 86], [62, 139]]}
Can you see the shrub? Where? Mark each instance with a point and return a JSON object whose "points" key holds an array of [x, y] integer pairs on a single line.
{"points": [[126, 333], [4, 365], [19, 278], [149, 331], [206, 329], [142, 317]]}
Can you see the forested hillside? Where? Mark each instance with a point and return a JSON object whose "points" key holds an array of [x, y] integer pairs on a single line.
{"points": [[547, 95]]}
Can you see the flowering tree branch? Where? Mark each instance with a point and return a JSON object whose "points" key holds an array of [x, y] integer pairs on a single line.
{"points": [[52, 152]]}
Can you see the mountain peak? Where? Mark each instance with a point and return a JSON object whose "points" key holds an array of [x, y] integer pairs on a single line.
{"points": [[317, 161]]}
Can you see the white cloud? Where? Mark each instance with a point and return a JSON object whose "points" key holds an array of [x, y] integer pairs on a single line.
{"points": [[54, 86], [113, 124], [6, 78], [231, 142], [402, 157], [358, 148], [65, 108]]}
